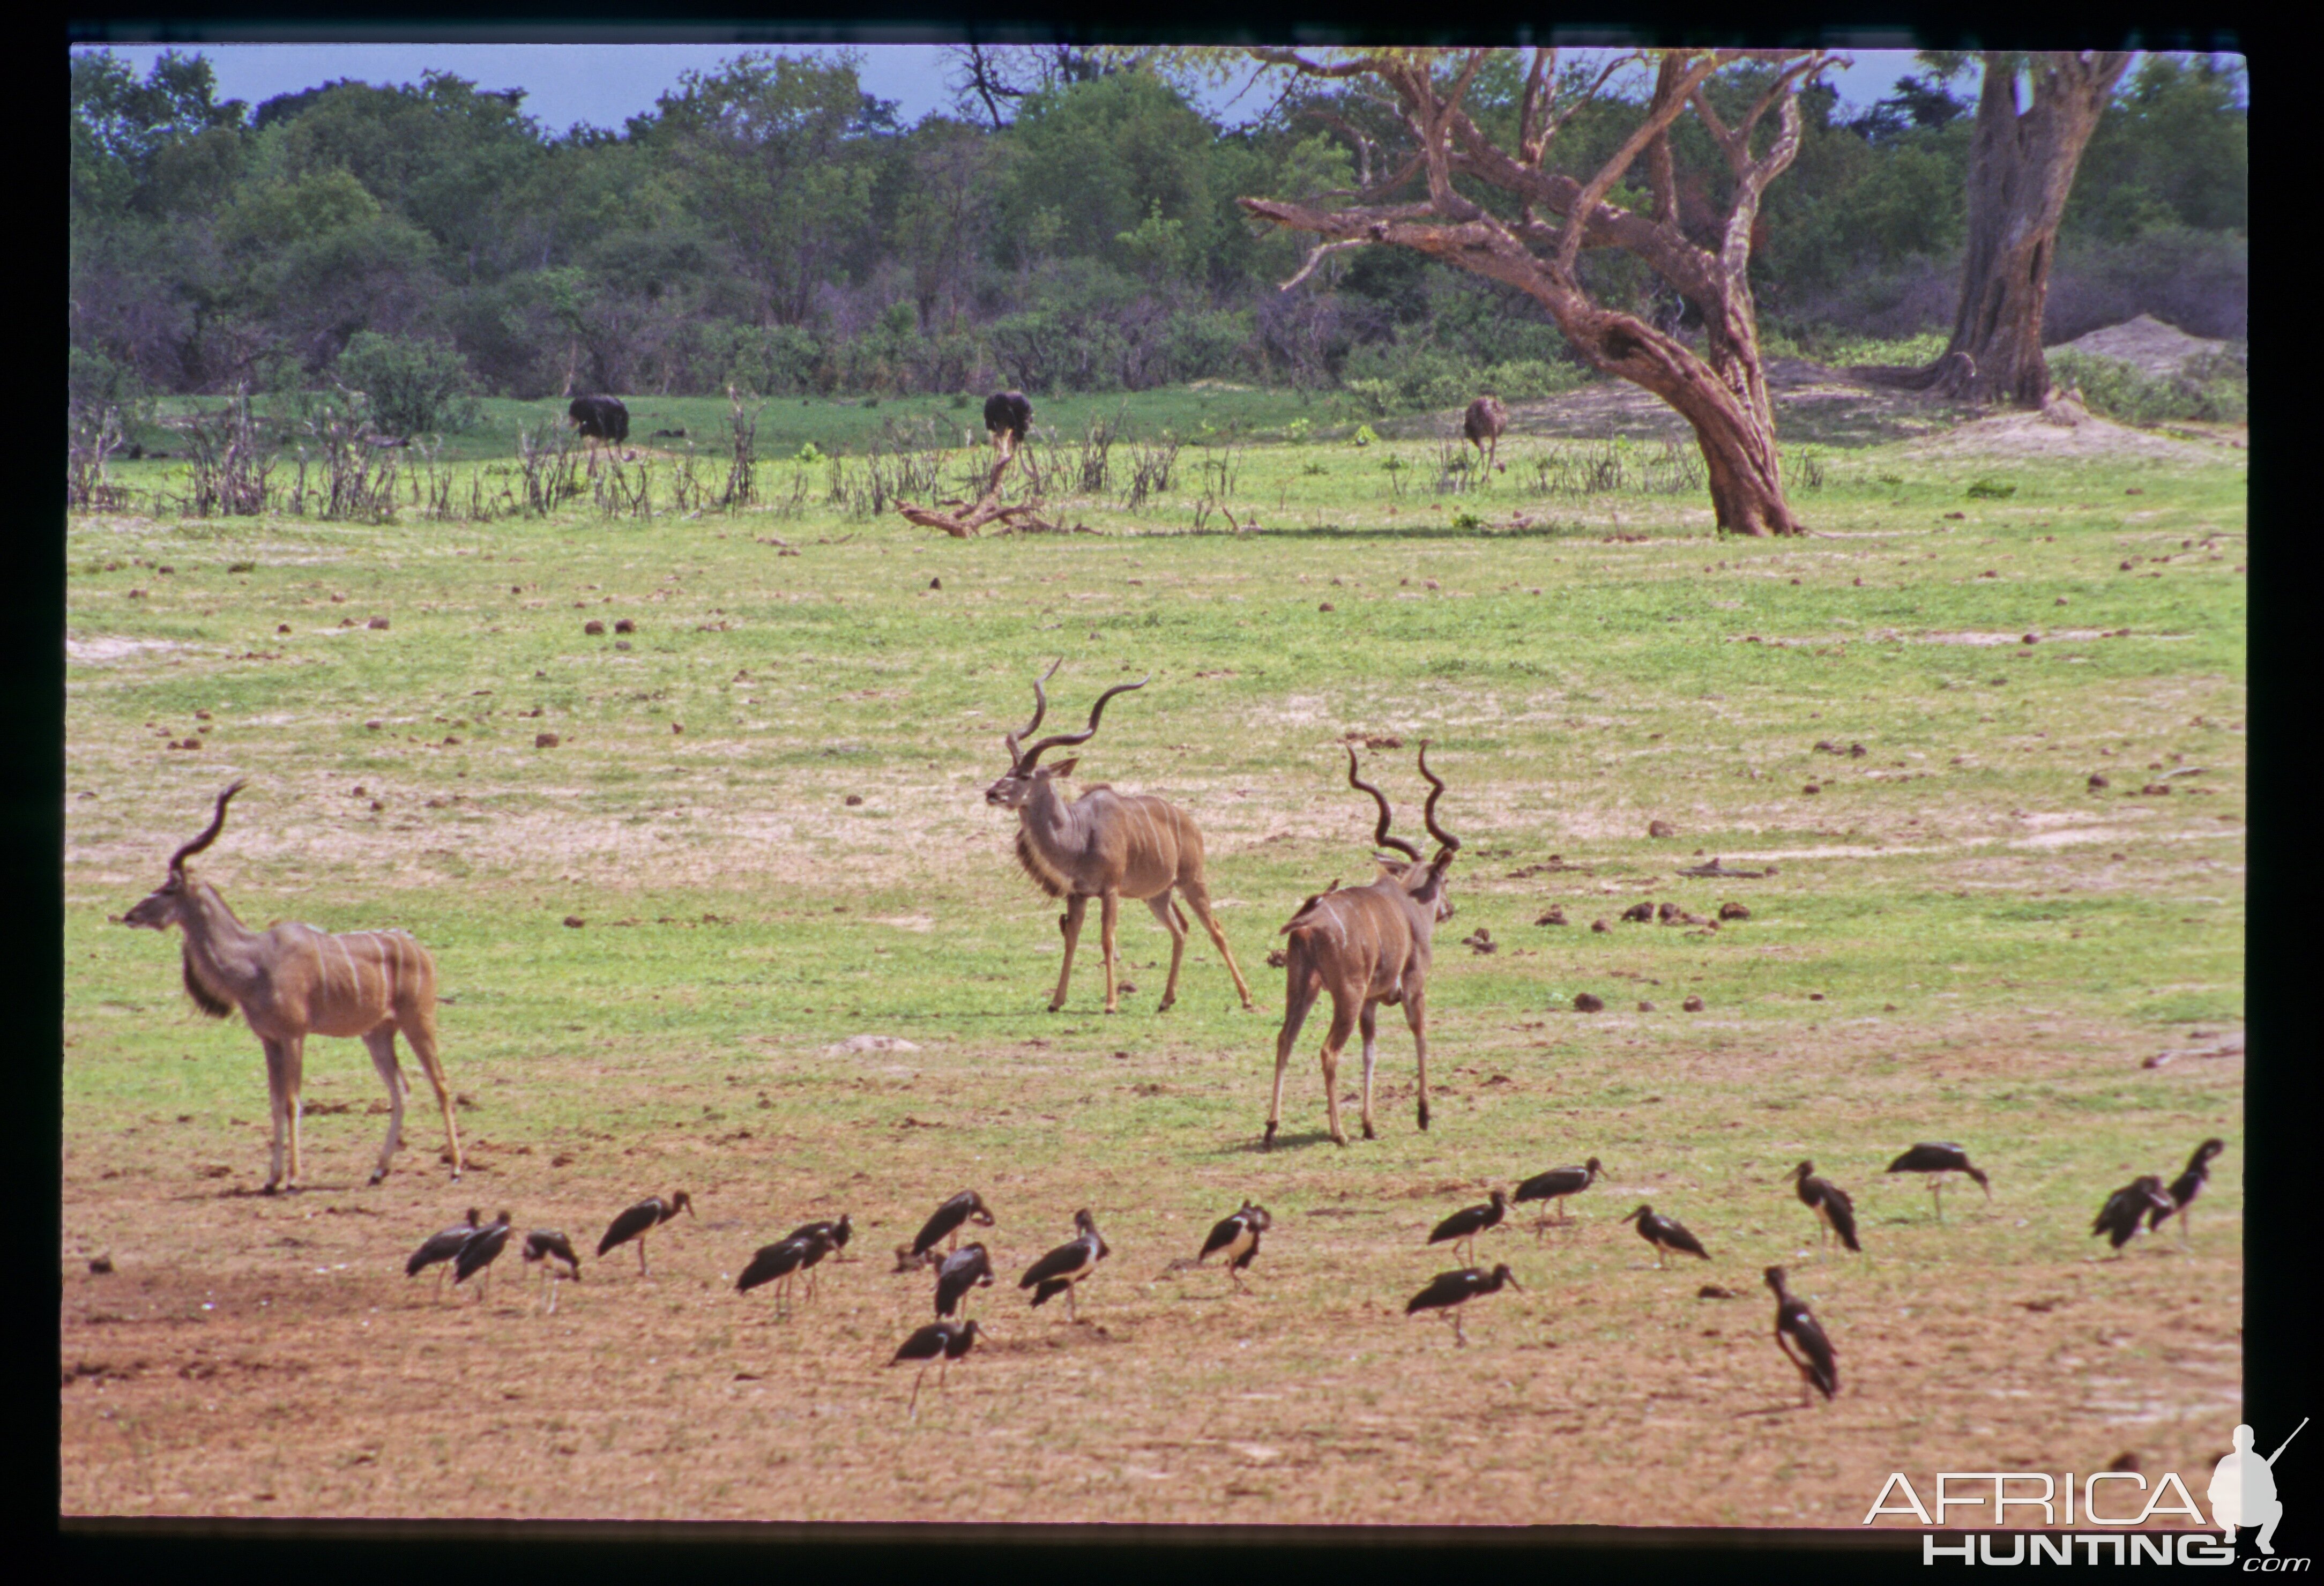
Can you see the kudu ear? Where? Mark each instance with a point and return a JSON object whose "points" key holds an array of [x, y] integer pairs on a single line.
{"points": [[1427, 883], [1063, 768]]}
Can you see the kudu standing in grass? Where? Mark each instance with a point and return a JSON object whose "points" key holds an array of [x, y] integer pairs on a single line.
{"points": [[293, 981], [1366, 946], [1106, 846]]}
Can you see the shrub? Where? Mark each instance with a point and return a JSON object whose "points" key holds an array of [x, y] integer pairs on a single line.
{"points": [[413, 386], [2212, 389]]}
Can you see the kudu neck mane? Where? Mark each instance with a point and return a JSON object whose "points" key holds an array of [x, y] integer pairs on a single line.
{"points": [[216, 949], [1064, 823]]}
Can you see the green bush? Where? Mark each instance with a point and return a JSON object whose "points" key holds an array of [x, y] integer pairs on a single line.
{"points": [[414, 385], [2213, 389]]}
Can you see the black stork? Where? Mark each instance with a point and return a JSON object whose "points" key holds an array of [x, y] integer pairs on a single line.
{"points": [[477, 1254], [1801, 1339], [1835, 1213], [1665, 1234], [838, 1232], [941, 1343], [1557, 1184], [782, 1260], [1464, 1225], [442, 1247], [970, 1267], [1061, 1268], [550, 1248], [1940, 1157], [649, 1213], [1451, 1290], [2187, 1186], [2120, 1218], [967, 1206], [1238, 1236]]}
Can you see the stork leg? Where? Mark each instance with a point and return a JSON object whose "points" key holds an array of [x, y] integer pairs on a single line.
{"points": [[1070, 1287], [1460, 1333], [1937, 1194], [641, 1256], [915, 1406]]}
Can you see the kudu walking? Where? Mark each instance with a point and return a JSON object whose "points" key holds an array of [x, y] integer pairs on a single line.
{"points": [[293, 981], [1366, 946], [1106, 846]]}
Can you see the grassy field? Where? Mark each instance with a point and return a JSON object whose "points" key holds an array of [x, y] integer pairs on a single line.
{"points": [[1959, 939]]}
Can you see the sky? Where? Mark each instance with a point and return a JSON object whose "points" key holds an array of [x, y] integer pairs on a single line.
{"points": [[604, 85]]}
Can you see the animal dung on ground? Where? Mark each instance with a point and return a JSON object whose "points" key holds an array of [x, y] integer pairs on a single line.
{"points": [[1692, 1004], [625, 626], [2097, 782], [593, 627], [1646, 1008], [1733, 911], [544, 740], [1639, 912], [1482, 940], [376, 622], [575, 921], [1600, 925], [1661, 829], [854, 799], [1555, 917], [1589, 1002]]}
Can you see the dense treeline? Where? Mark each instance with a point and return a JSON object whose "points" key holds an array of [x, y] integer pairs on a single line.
{"points": [[770, 225]]}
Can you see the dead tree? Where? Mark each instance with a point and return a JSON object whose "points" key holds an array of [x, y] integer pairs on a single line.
{"points": [[293, 981], [1007, 417], [2021, 171], [1722, 390], [1106, 846]]}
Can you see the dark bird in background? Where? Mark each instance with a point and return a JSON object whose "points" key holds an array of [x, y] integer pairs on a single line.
{"points": [[1557, 1184], [548, 1246], [970, 1267], [649, 1213], [1801, 1339], [479, 1253], [1007, 413], [2187, 1186], [1464, 1225], [1665, 1234], [1451, 1290], [1061, 1268], [2120, 1218], [781, 1262], [442, 1247], [939, 1343], [1937, 1158], [1238, 1236], [600, 417], [1835, 1213], [967, 1206]]}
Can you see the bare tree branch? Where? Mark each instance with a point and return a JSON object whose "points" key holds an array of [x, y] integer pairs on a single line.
{"points": [[1315, 256]]}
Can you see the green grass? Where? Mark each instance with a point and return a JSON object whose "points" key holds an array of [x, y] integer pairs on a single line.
{"points": [[1962, 939]]}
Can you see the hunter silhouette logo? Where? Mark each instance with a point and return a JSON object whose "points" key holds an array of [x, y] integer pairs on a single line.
{"points": [[2242, 1488]]}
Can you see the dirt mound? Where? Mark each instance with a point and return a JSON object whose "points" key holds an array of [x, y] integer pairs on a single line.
{"points": [[2039, 435], [2154, 349]]}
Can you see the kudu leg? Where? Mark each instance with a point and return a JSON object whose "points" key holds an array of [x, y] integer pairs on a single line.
{"points": [[1174, 923], [1368, 1024], [1343, 1024], [419, 1026], [1198, 894], [1070, 923], [1415, 1014], [1298, 996], [294, 1075], [380, 1044], [277, 1102], [1108, 916]]}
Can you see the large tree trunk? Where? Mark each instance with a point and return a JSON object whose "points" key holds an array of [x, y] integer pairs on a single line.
{"points": [[2021, 170]]}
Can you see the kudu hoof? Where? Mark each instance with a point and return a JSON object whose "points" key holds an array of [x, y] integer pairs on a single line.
{"points": [[1424, 1119], [1369, 1134]]}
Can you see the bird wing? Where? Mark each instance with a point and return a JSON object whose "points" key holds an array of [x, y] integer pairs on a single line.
{"points": [[771, 1262], [436, 1247], [1222, 1233], [630, 1224], [1447, 1289], [1542, 1186], [1679, 1239], [479, 1251], [946, 1217], [1820, 1355], [926, 1344], [1057, 1263], [1460, 1224], [1842, 1212]]}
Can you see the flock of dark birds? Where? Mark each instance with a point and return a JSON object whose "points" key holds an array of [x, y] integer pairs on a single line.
{"points": [[472, 1247]]}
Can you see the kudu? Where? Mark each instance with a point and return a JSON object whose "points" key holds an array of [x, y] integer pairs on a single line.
{"points": [[1106, 846], [293, 981], [1366, 946]]}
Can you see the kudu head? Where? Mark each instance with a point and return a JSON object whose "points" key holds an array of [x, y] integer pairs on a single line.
{"points": [[1421, 881], [1024, 777], [166, 905]]}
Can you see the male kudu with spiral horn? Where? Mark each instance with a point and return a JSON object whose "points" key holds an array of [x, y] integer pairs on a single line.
{"points": [[1106, 846], [1366, 946], [293, 981]]}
